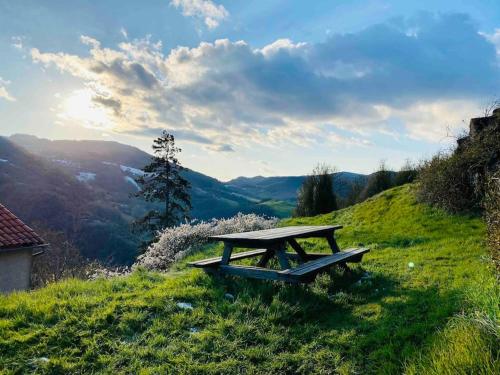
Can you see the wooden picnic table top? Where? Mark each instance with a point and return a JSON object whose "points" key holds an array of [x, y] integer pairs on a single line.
{"points": [[272, 243], [278, 234]]}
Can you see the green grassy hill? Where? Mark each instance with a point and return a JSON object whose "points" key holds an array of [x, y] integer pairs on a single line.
{"points": [[439, 316]]}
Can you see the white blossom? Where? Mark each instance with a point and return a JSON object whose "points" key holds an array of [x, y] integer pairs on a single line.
{"points": [[175, 243]]}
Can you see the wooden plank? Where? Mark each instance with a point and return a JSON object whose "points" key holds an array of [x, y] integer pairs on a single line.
{"points": [[255, 273], [282, 233], [265, 258], [226, 255], [298, 249], [310, 256], [319, 264], [210, 262], [332, 243], [282, 258]]}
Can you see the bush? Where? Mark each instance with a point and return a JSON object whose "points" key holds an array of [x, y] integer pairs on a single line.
{"points": [[377, 182], [408, 173], [175, 243], [444, 181], [456, 181], [492, 207], [316, 194], [60, 260]]}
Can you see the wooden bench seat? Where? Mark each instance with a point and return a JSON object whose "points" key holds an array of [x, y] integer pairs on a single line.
{"points": [[213, 262], [314, 266]]}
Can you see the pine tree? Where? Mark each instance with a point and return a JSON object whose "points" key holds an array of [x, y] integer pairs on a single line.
{"points": [[163, 183]]}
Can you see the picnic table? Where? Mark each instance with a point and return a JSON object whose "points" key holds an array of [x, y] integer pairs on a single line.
{"points": [[270, 243]]}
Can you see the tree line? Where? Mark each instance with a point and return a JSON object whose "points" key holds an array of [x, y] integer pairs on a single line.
{"points": [[316, 195]]}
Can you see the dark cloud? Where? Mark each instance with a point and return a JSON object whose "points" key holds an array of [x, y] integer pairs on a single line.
{"points": [[227, 93], [111, 103]]}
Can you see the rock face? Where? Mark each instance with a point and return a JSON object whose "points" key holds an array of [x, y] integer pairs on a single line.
{"points": [[477, 128], [479, 124]]}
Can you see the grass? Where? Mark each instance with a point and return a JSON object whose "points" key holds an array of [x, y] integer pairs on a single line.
{"points": [[281, 209], [438, 317]]}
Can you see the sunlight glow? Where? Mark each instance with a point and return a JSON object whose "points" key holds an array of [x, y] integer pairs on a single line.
{"points": [[80, 108]]}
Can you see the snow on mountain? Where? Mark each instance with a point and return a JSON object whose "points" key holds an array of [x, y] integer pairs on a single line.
{"points": [[85, 176], [132, 181], [134, 171], [67, 163]]}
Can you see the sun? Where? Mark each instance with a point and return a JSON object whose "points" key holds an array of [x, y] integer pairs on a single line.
{"points": [[79, 107]]}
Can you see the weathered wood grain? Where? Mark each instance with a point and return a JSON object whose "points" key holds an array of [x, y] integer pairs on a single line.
{"points": [[315, 266], [211, 262]]}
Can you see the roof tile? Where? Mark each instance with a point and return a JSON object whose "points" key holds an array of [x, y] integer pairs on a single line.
{"points": [[14, 233]]}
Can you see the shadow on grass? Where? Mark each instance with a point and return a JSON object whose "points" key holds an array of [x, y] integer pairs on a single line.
{"points": [[370, 320]]}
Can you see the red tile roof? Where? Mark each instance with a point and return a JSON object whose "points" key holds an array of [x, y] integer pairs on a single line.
{"points": [[14, 233]]}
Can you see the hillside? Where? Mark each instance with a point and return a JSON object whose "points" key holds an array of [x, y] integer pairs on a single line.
{"points": [[41, 193], [83, 188], [110, 167], [423, 301], [285, 188]]}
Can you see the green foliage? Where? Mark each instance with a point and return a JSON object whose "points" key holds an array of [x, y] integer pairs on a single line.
{"points": [[162, 182], [456, 181], [378, 182], [316, 194], [407, 174], [278, 208], [492, 207], [445, 181], [385, 318]]}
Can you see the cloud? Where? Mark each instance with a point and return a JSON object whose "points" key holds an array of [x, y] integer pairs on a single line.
{"points": [[18, 42], [123, 32], [415, 73], [206, 10], [4, 94]]}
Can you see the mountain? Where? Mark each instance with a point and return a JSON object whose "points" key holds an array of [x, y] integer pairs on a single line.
{"points": [[84, 188], [111, 168], [284, 188], [42, 193]]}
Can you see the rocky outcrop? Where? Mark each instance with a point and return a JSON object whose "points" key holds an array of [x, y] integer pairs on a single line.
{"points": [[484, 127], [486, 131]]}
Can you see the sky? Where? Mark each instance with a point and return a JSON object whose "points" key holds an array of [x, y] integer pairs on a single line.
{"points": [[252, 87]]}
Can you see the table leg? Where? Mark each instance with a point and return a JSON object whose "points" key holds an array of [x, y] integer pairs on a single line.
{"points": [[265, 258], [333, 244], [298, 249], [226, 255], [282, 257]]}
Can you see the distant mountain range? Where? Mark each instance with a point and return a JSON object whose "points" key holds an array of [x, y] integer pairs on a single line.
{"points": [[285, 187], [84, 189]]}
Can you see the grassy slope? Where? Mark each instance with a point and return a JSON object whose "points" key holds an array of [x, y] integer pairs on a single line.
{"points": [[399, 319]]}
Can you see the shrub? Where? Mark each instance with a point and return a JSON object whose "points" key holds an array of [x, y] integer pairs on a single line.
{"points": [[456, 181], [174, 243], [316, 194], [407, 173], [377, 182], [60, 260], [355, 188], [492, 207], [444, 181]]}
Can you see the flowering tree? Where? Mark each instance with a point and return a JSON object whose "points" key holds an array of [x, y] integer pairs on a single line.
{"points": [[176, 242]]}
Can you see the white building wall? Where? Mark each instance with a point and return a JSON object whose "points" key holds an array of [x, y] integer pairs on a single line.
{"points": [[15, 270]]}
